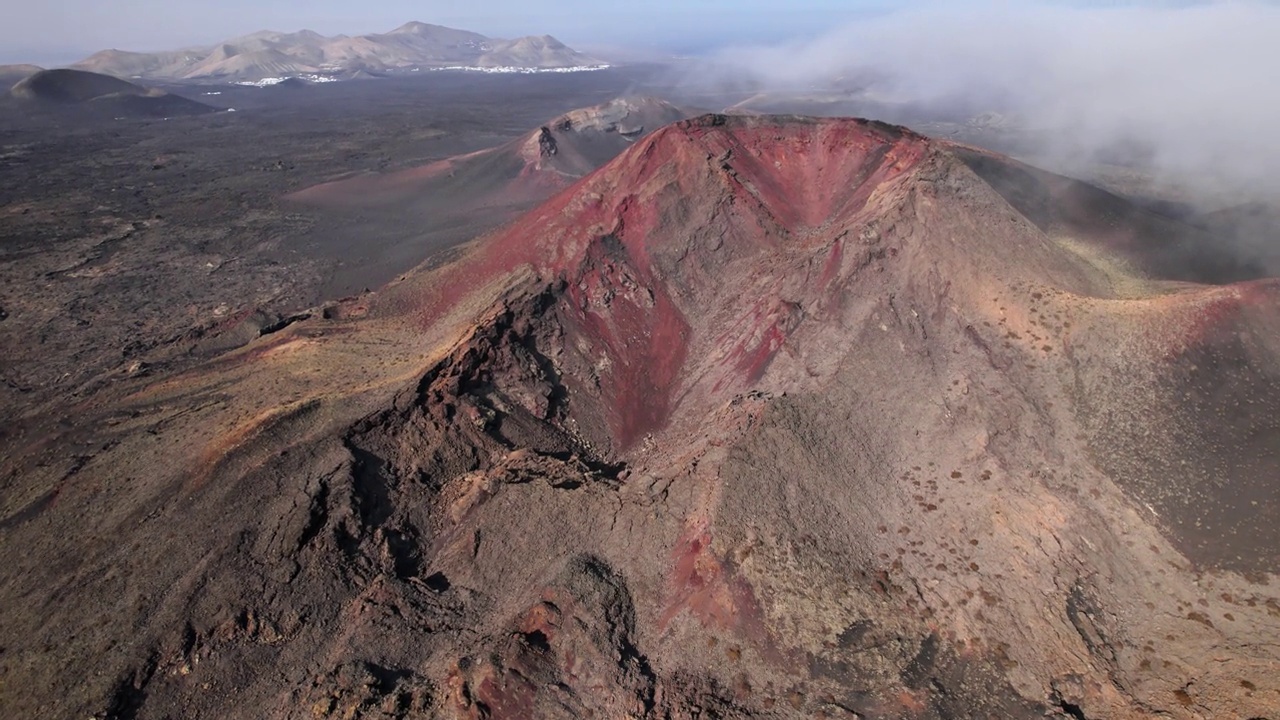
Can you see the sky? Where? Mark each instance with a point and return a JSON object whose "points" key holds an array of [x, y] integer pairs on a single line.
{"points": [[61, 31]]}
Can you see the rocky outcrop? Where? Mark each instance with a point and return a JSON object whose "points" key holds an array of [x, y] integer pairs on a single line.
{"points": [[546, 143]]}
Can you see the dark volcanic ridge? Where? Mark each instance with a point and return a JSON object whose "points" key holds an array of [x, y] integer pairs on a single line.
{"points": [[767, 417], [502, 181], [95, 92]]}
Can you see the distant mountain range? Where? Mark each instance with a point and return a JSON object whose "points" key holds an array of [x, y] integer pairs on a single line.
{"points": [[270, 54]]}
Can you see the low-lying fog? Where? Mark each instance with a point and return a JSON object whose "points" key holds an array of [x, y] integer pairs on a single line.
{"points": [[1185, 89]]}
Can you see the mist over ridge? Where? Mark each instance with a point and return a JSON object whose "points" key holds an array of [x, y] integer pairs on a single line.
{"points": [[1184, 88]]}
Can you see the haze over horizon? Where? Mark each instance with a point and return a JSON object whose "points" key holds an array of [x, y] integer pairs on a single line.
{"points": [[64, 31]]}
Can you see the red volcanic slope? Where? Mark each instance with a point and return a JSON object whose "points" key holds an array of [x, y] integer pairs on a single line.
{"points": [[714, 256], [916, 313], [619, 254]]}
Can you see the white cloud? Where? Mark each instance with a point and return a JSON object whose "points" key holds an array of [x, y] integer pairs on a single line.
{"points": [[1196, 83]]}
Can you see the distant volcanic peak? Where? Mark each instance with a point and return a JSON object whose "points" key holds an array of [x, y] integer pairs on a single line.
{"points": [[533, 51], [65, 85], [624, 115], [108, 96], [579, 137], [13, 73], [413, 26]]}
